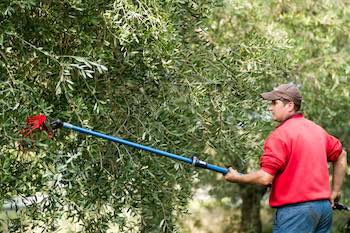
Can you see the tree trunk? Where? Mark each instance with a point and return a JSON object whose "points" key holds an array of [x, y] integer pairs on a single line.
{"points": [[250, 209], [4, 227]]}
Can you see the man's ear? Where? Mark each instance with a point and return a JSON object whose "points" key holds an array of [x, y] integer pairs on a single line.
{"points": [[291, 106]]}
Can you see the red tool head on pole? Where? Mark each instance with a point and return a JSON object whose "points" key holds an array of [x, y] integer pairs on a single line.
{"points": [[35, 123]]}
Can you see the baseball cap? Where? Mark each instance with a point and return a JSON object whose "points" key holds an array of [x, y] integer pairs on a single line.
{"points": [[287, 91]]}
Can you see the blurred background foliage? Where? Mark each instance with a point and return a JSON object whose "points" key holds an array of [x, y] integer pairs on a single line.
{"points": [[183, 76]]}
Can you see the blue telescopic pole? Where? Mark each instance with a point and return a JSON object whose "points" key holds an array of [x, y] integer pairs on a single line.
{"points": [[194, 160]]}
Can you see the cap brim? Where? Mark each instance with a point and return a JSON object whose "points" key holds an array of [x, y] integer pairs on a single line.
{"points": [[269, 96]]}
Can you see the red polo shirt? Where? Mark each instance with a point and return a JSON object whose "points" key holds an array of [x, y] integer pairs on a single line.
{"points": [[297, 153]]}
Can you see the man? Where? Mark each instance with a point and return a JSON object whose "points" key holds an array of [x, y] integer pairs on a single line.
{"points": [[295, 164]]}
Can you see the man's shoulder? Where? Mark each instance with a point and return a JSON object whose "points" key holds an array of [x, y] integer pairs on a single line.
{"points": [[305, 122], [297, 126], [298, 122], [276, 134]]}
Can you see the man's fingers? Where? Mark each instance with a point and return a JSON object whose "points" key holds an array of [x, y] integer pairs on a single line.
{"points": [[230, 170], [337, 198]]}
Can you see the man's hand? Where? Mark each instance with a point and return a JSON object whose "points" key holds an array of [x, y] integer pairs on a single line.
{"points": [[232, 175], [259, 177], [339, 169], [335, 197]]}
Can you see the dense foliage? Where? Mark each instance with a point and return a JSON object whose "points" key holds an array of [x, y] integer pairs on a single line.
{"points": [[183, 76], [110, 66]]}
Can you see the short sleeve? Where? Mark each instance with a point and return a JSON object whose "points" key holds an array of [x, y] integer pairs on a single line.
{"points": [[333, 148], [275, 155]]}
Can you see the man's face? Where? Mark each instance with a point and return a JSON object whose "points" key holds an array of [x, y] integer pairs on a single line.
{"points": [[280, 111]]}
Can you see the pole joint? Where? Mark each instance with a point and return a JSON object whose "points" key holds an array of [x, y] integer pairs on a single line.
{"points": [[55, 124], [199, 163]]}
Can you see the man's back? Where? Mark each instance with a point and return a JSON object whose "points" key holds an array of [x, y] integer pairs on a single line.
{"points": [[296, 152]]}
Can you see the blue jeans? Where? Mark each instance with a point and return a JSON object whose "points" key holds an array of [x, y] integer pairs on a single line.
{"points": [[306, 217]]}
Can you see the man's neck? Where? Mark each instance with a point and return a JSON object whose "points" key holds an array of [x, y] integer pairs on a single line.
{"points": [[289, 116]]}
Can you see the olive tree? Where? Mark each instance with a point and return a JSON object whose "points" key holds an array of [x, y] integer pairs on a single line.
{"points": [[110, 66]]}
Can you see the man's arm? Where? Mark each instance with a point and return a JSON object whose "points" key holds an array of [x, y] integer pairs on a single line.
{"points": [[339, 170], [259, 177]]}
